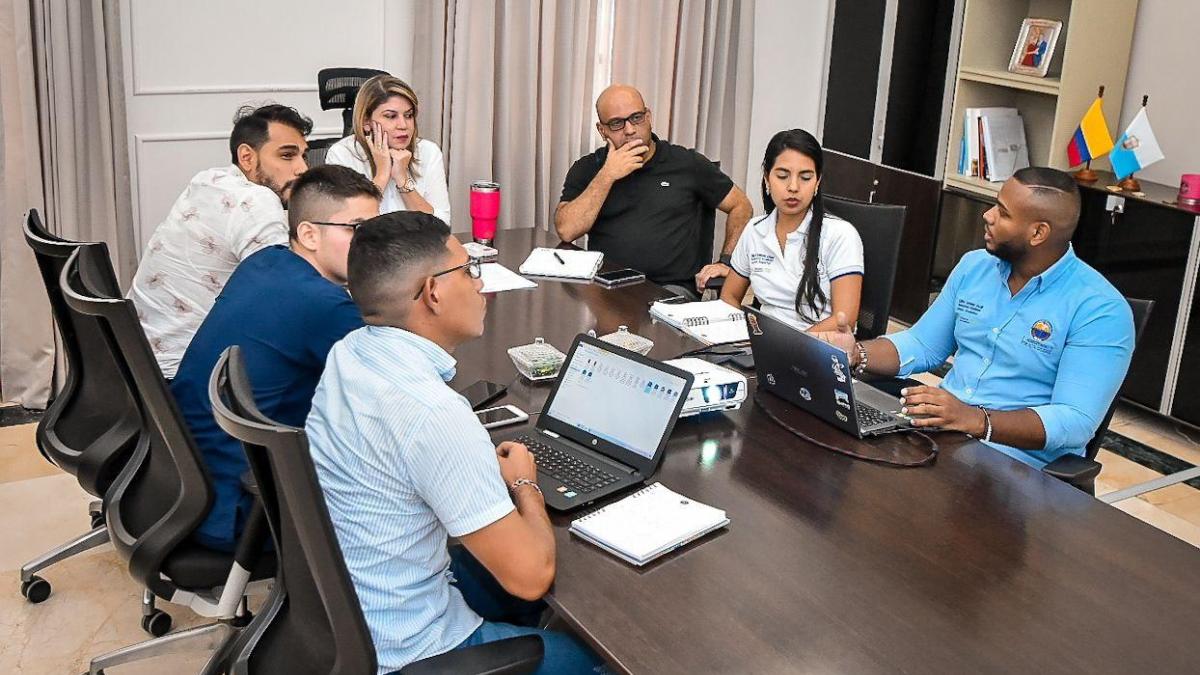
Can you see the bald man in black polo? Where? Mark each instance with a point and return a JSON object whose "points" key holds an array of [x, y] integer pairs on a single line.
{"points": [[640, 198]]}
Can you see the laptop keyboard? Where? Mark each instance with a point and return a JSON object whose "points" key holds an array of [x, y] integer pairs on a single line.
{"points": [[869, 417], [575, 474]]}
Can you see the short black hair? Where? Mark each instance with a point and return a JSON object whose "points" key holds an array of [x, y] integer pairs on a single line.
{"points": [[1056, 196], [388, 250], [315, 189], [251, 125]]}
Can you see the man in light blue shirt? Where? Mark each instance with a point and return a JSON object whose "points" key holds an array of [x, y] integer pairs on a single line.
{"points": [[1041, 341], [404, 463]]}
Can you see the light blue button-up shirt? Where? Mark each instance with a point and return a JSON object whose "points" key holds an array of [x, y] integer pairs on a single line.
{"points": [[403, 463], [1061, 346]]}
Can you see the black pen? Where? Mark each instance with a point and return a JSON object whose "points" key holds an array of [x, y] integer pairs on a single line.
{"points": [[559, 258]]}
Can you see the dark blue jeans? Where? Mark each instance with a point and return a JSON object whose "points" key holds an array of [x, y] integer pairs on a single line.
{"points": [[506, 616]]}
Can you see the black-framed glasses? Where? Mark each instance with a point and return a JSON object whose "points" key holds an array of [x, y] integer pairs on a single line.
{"points": [[618, 123], [473, 266], [353, 226]]}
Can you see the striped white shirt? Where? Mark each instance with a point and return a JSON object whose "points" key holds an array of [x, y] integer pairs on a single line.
{"points": [[403, 463]]}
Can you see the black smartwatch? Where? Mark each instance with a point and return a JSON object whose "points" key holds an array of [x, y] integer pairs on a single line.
{"points": [[726, 260]]}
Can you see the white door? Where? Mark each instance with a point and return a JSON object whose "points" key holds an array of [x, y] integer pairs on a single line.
{"points": [[189, 65]]}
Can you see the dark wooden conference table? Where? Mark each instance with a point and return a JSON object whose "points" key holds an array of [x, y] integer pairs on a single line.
{"points": [[833, 565]]}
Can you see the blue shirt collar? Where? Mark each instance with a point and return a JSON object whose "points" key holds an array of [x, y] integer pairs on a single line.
{"points": [[1047, 277], [439, 358]]}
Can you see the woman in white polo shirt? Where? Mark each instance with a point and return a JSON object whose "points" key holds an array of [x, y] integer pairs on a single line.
{"points": [[409, 170], [804, 265]]}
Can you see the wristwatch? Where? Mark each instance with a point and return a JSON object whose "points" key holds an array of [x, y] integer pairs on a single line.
{"points": [[409, 186], [726, 260], [524, 481]]}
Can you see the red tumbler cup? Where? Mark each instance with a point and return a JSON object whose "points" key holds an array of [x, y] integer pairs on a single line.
{"points": [[485, 208]]}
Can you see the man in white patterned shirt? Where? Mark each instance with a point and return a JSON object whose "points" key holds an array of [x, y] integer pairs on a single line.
{"points": [[223, 216]]}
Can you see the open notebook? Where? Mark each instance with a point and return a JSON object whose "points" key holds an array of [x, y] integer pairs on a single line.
{"points": [[560, 262], [648, 523], [712, 322]]}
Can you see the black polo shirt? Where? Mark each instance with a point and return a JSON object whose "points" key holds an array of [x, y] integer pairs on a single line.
{"points": [[651, 218]]}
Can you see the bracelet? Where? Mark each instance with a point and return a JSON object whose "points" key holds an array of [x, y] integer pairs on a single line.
{"points": [[410, 185], [524, 481], [862, 358], [987, 419]]}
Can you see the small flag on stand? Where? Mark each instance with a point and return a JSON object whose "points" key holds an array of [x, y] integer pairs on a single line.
{"points": [[1091, 139], [1136, 149]]}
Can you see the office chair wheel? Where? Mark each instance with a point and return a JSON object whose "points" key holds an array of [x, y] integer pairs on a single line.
{"points": [[242, 621], [157, 624], [36, 589]]}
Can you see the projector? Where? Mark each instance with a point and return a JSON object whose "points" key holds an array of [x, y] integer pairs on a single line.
{"points": [[715, 387]]}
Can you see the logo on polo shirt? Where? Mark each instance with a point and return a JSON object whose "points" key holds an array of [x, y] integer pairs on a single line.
{"points": [[1041, 330], [665, 184]]}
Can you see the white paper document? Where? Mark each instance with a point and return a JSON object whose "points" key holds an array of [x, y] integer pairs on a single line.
{"points": [[497, 277]]}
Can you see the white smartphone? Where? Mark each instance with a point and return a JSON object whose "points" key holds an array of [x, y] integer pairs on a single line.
{"points": [[501, 416]]}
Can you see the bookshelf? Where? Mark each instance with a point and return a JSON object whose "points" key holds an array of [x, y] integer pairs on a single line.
{"points": [[1092, 50]]}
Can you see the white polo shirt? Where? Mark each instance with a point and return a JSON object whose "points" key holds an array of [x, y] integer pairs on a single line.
{"points": [[431, 184], [775, 275]]}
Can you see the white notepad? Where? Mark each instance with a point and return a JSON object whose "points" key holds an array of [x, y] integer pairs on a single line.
{"points": [[712, 322], [564, 263], [648, 523]]}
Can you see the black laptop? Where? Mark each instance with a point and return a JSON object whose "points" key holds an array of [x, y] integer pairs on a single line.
{"points": [[815, 376], [606, 424]]}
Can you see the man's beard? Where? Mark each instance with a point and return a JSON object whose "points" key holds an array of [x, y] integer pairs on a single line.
{"points": [[283, 191], [1008, 252]]}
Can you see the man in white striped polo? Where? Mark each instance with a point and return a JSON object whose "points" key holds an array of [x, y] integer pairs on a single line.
{"points": [[404, 462]]}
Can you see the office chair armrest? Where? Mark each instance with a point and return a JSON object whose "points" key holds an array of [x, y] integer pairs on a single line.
{"points": [[716, 283], [1073, 469], [249, 484], [512, 655]]}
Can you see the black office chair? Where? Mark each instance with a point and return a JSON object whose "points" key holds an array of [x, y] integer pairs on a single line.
{"points": [[162, 494], [337, 88], [312, 622], [90, 427], [317, 149], [1082, 471], [880, 226]]}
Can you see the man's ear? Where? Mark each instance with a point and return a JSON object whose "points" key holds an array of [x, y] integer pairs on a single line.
{"points": [[1041, 233], [306, 235], [247, 158]]}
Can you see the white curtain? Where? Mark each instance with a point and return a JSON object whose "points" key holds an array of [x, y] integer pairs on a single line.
{"points": [[506, 90], [693, 61], [62, 151]]}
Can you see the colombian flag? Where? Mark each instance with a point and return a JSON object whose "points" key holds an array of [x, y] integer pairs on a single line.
{"points": [[1091, 139]]}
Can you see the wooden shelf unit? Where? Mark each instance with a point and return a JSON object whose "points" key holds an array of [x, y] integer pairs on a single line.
{"points": [[1092, 50]]}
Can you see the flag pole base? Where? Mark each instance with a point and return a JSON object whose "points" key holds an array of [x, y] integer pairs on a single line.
{"points": [[1130, 184], [1086, 176]]}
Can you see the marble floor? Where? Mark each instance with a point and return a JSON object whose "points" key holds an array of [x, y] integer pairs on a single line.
{"points": [[95, 606]]}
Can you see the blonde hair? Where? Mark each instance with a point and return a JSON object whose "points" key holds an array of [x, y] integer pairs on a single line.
{"points": [[373, 93]]}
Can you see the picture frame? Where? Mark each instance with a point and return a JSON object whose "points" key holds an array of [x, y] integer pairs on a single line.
{"points": [[1035, 47]]}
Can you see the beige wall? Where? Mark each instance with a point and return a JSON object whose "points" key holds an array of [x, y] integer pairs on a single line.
{"points": [[789, 69], [1163, 63]]}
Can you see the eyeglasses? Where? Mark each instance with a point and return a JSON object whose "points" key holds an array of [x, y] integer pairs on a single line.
{"points": [[353, 226], [474, 267], [618, 123]]}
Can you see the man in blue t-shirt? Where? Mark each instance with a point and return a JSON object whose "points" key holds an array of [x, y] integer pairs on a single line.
{"points": [[1041, 341], [285, 307]]}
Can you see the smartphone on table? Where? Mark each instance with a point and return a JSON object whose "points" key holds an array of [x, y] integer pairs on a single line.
{"points": [[482, 392], [501, 416], [627, 275]]}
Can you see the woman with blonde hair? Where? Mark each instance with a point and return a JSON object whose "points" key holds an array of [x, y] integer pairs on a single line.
{"points": [[409, 170]]}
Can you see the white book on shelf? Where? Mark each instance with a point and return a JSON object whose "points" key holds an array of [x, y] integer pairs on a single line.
{"points": [[1004, 141], [973, 155]]}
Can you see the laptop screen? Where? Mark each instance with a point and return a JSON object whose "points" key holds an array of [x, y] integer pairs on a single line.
{"points": [[617, 399]]}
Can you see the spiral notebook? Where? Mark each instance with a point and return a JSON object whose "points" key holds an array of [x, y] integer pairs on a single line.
{"points": [[648, 523], [712, 322], [563, 263]]}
